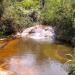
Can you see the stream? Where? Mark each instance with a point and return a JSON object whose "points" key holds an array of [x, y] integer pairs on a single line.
{"points": [[29, 57]]}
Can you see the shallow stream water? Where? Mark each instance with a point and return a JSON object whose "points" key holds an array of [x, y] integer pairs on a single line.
{"points": [[28, 57]]}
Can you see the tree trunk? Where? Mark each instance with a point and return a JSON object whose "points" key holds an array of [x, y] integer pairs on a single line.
{"points": [[42, 3], [1, 8]]}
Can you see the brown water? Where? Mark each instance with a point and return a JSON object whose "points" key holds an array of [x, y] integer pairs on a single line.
{"points": [[28, 57]]}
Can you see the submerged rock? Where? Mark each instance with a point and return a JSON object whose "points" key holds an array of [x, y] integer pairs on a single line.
{"points": [[39, 33]]}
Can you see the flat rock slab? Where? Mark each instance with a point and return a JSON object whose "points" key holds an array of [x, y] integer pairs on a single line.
{"points": [[39, 33]]}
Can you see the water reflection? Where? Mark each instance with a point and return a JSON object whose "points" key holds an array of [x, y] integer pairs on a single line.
{"points": [[28, 57], [43, 50], [27, 65]]}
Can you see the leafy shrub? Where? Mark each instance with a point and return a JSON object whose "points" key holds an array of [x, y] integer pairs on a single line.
{"points": [[28, 4], [7, 27], [59, 14], [23, 22]]}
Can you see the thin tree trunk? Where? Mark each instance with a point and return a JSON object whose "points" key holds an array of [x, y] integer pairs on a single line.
{"points": [[42, 3], [1, 8]]}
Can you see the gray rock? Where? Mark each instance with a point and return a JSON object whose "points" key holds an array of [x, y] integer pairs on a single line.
{"points": [[39, 33]]}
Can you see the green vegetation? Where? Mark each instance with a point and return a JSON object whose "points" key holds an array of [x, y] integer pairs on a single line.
{"points": [[59, 13], [24, 13], [16, 15]]}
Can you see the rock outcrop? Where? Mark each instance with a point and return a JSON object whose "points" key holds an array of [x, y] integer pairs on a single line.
{"points": [[39, 33]]}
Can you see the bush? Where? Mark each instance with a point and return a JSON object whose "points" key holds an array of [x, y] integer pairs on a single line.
{"points": [[7, 27], [64, 29], [23, 22], [28, 4], [21, 15], [59, 14]]}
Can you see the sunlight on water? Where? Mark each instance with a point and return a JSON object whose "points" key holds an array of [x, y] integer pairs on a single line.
{"points": [[24, 65], [53, 68], [27, 65], [28, 57]]}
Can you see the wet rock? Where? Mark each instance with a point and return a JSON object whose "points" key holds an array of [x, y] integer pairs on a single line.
{"points": [[39, 33]]}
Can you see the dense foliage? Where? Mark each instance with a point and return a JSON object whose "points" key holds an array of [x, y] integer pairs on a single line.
{"points": [[24, 13], [60, 14]]}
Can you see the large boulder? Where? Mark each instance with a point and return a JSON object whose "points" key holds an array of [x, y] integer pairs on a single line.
{"points": [[39, 33]]}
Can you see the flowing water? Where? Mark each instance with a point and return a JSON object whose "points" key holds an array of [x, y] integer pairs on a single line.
{"points": [[28, 57]]}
